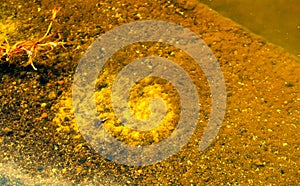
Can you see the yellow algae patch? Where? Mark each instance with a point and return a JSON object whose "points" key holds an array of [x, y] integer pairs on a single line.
{"points": [[64, 118], [7, 27], [140, 97]]}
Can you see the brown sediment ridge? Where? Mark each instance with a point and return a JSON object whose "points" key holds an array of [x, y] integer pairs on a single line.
{"points": [[257, 144]]}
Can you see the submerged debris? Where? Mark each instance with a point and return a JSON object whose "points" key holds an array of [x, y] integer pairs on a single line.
{"points": [[30, 49]]}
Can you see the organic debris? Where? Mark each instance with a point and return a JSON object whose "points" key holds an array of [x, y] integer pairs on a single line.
{"points": [[30, 48]]}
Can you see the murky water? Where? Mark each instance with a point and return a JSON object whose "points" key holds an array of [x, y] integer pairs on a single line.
{"points": [[275, 20]]}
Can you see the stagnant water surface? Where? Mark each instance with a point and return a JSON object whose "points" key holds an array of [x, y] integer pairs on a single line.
{"points": [[276, 20]]}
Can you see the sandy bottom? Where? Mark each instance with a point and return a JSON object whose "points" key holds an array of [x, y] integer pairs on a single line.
{"points": [[40, 142]]}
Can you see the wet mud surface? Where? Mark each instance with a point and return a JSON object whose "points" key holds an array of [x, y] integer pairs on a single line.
{"points": [[258, 142]]}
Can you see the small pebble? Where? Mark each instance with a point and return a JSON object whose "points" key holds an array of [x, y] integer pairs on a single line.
{"points": [[44, 115], [284, 144], [61, 82], [52, 95]]}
